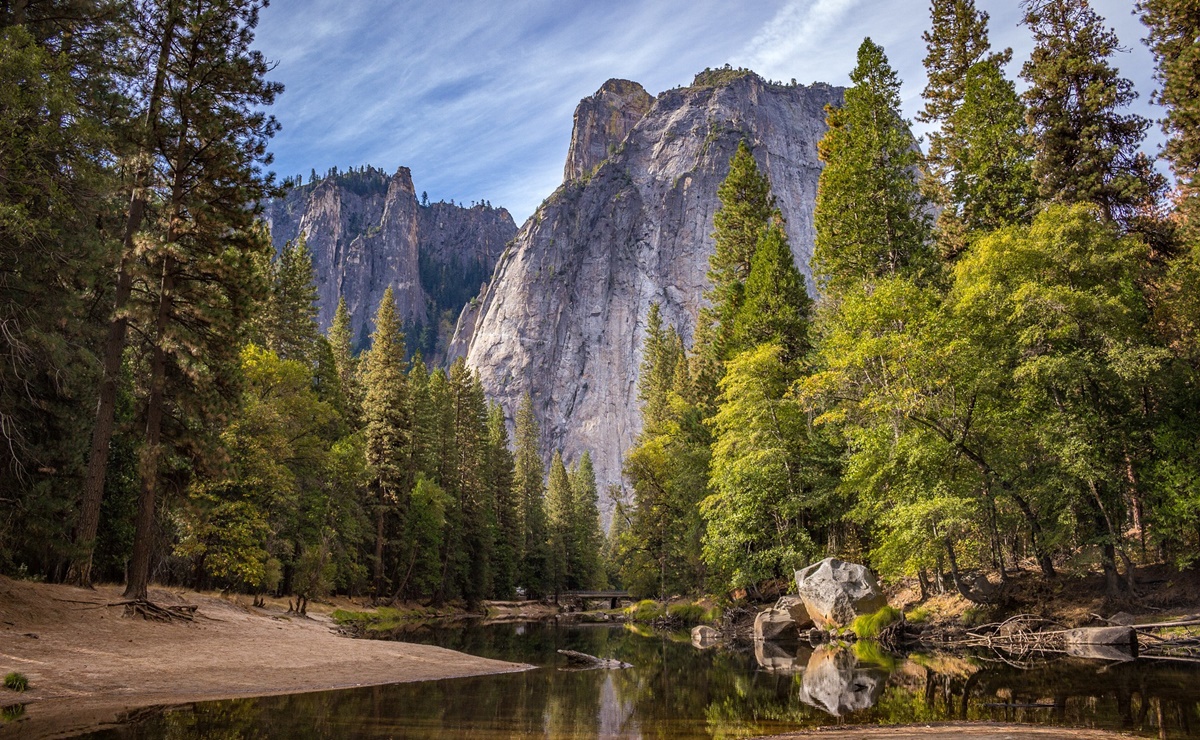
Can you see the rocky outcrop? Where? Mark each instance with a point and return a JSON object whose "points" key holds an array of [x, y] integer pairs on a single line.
{"points": [[368, 231], [565, 314], [835, 592], [601, 124]]}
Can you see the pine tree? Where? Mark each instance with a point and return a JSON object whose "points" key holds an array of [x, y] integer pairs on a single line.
{"points": [[206, 240], [290, 320], [1086, 150], [657, 372], [777, 306], [870, 216], [584, 567], [531, 491], [746, 207], [56, 257], [991, 185], [387, 420], [956, 41], [507, 555], [1172, 39], [560, 518], [342, 344]]}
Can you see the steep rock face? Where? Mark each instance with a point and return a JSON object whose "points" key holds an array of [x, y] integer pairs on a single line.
{"points": [[564, 316], [368, 231], [601, 124]]}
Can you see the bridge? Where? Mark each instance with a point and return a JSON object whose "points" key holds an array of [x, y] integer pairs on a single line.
{"points": [[614, 598]]}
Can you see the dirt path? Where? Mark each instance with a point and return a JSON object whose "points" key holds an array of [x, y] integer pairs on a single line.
{"points": [[87, 664]]}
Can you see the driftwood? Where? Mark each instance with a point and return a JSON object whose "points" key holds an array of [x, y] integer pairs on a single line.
{"points": [[583, 660]]}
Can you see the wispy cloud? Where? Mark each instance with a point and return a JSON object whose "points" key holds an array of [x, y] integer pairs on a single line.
{"points": [[476, 96]]}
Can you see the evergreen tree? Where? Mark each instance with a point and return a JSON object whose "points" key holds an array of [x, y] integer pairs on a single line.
{"points": [[290, 316], [776, 307], [991, 185], [560, 519], [506, 559], [387, 421], [746, 207], [1086, 150], [870, 216], [584, 567], [1172, 39], [206, 240], [531, 493], [342, 346]]}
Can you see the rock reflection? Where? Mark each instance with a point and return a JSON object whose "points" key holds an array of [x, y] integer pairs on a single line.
{"points": [[837, 683], [774, 657]]}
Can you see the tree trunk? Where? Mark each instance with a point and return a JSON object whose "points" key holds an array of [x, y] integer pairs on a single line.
{"points": [[379, 552], [143, 538], [114, 344]]}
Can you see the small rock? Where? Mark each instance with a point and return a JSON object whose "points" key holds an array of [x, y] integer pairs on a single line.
{"points": [[1123, 618]]}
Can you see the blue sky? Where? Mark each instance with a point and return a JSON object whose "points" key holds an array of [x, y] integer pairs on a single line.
{"points": [[476, 96]]}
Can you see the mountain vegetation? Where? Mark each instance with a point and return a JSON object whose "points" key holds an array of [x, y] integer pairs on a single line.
{"points": [[998, 369]]}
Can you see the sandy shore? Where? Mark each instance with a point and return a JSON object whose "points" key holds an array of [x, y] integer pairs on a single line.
{"points": [[87, 664]]}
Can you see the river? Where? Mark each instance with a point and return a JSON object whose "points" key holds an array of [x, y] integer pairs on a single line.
{"points": [[674, 690]]}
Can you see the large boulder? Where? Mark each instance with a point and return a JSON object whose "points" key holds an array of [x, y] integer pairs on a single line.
{"points": [[835, 592], [782, 621]]}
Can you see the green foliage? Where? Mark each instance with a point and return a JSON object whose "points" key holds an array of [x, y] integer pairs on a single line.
{"points": [[1172, 25], [646, 610], [531, 494], [689, 613], [16, 682], [1086, 150], [776, 305], [868, 626], [870, 215], [918, 615]]}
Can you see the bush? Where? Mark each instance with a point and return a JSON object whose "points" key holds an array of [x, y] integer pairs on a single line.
{"points": [[646, 610], [868, 626], [16, 681], [688, 613]]}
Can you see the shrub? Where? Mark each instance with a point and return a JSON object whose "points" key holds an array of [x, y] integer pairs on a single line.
{"points": [[868, 626], [16, 681], [688, 613], [646, 610]]}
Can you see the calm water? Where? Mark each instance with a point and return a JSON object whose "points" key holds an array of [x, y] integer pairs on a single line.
{"points": [[676, 691]]}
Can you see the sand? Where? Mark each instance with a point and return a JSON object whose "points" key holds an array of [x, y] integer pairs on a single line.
{"points": [[87, 664]]}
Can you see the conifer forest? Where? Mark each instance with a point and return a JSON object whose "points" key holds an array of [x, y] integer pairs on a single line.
{"points": [[995, 367]]}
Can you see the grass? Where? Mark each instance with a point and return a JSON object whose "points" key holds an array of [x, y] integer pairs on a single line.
{"points": [[973, 616], [16, 682], [919, 615], [869, 652], [646, 610], [868, 626], [693, 613]]}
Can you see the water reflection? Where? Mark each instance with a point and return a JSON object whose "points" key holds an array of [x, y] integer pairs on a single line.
{"points": [[677, 691]]}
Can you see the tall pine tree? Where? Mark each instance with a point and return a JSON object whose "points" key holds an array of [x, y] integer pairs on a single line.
{"points": [[1086, 149], [870, 215]]}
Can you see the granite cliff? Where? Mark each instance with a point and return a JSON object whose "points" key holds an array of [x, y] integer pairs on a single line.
{"points": [[367, 231], [564, 315]]}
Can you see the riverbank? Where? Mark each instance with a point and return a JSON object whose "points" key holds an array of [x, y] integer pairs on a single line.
{"points": [[954, 730], [88, 665]]}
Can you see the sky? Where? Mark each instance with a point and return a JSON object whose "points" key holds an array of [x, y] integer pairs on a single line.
{"points": [[477, 96]]}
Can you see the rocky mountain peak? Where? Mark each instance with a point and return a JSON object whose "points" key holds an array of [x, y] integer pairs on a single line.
{"points": [[601, 123], [564, 315]]}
